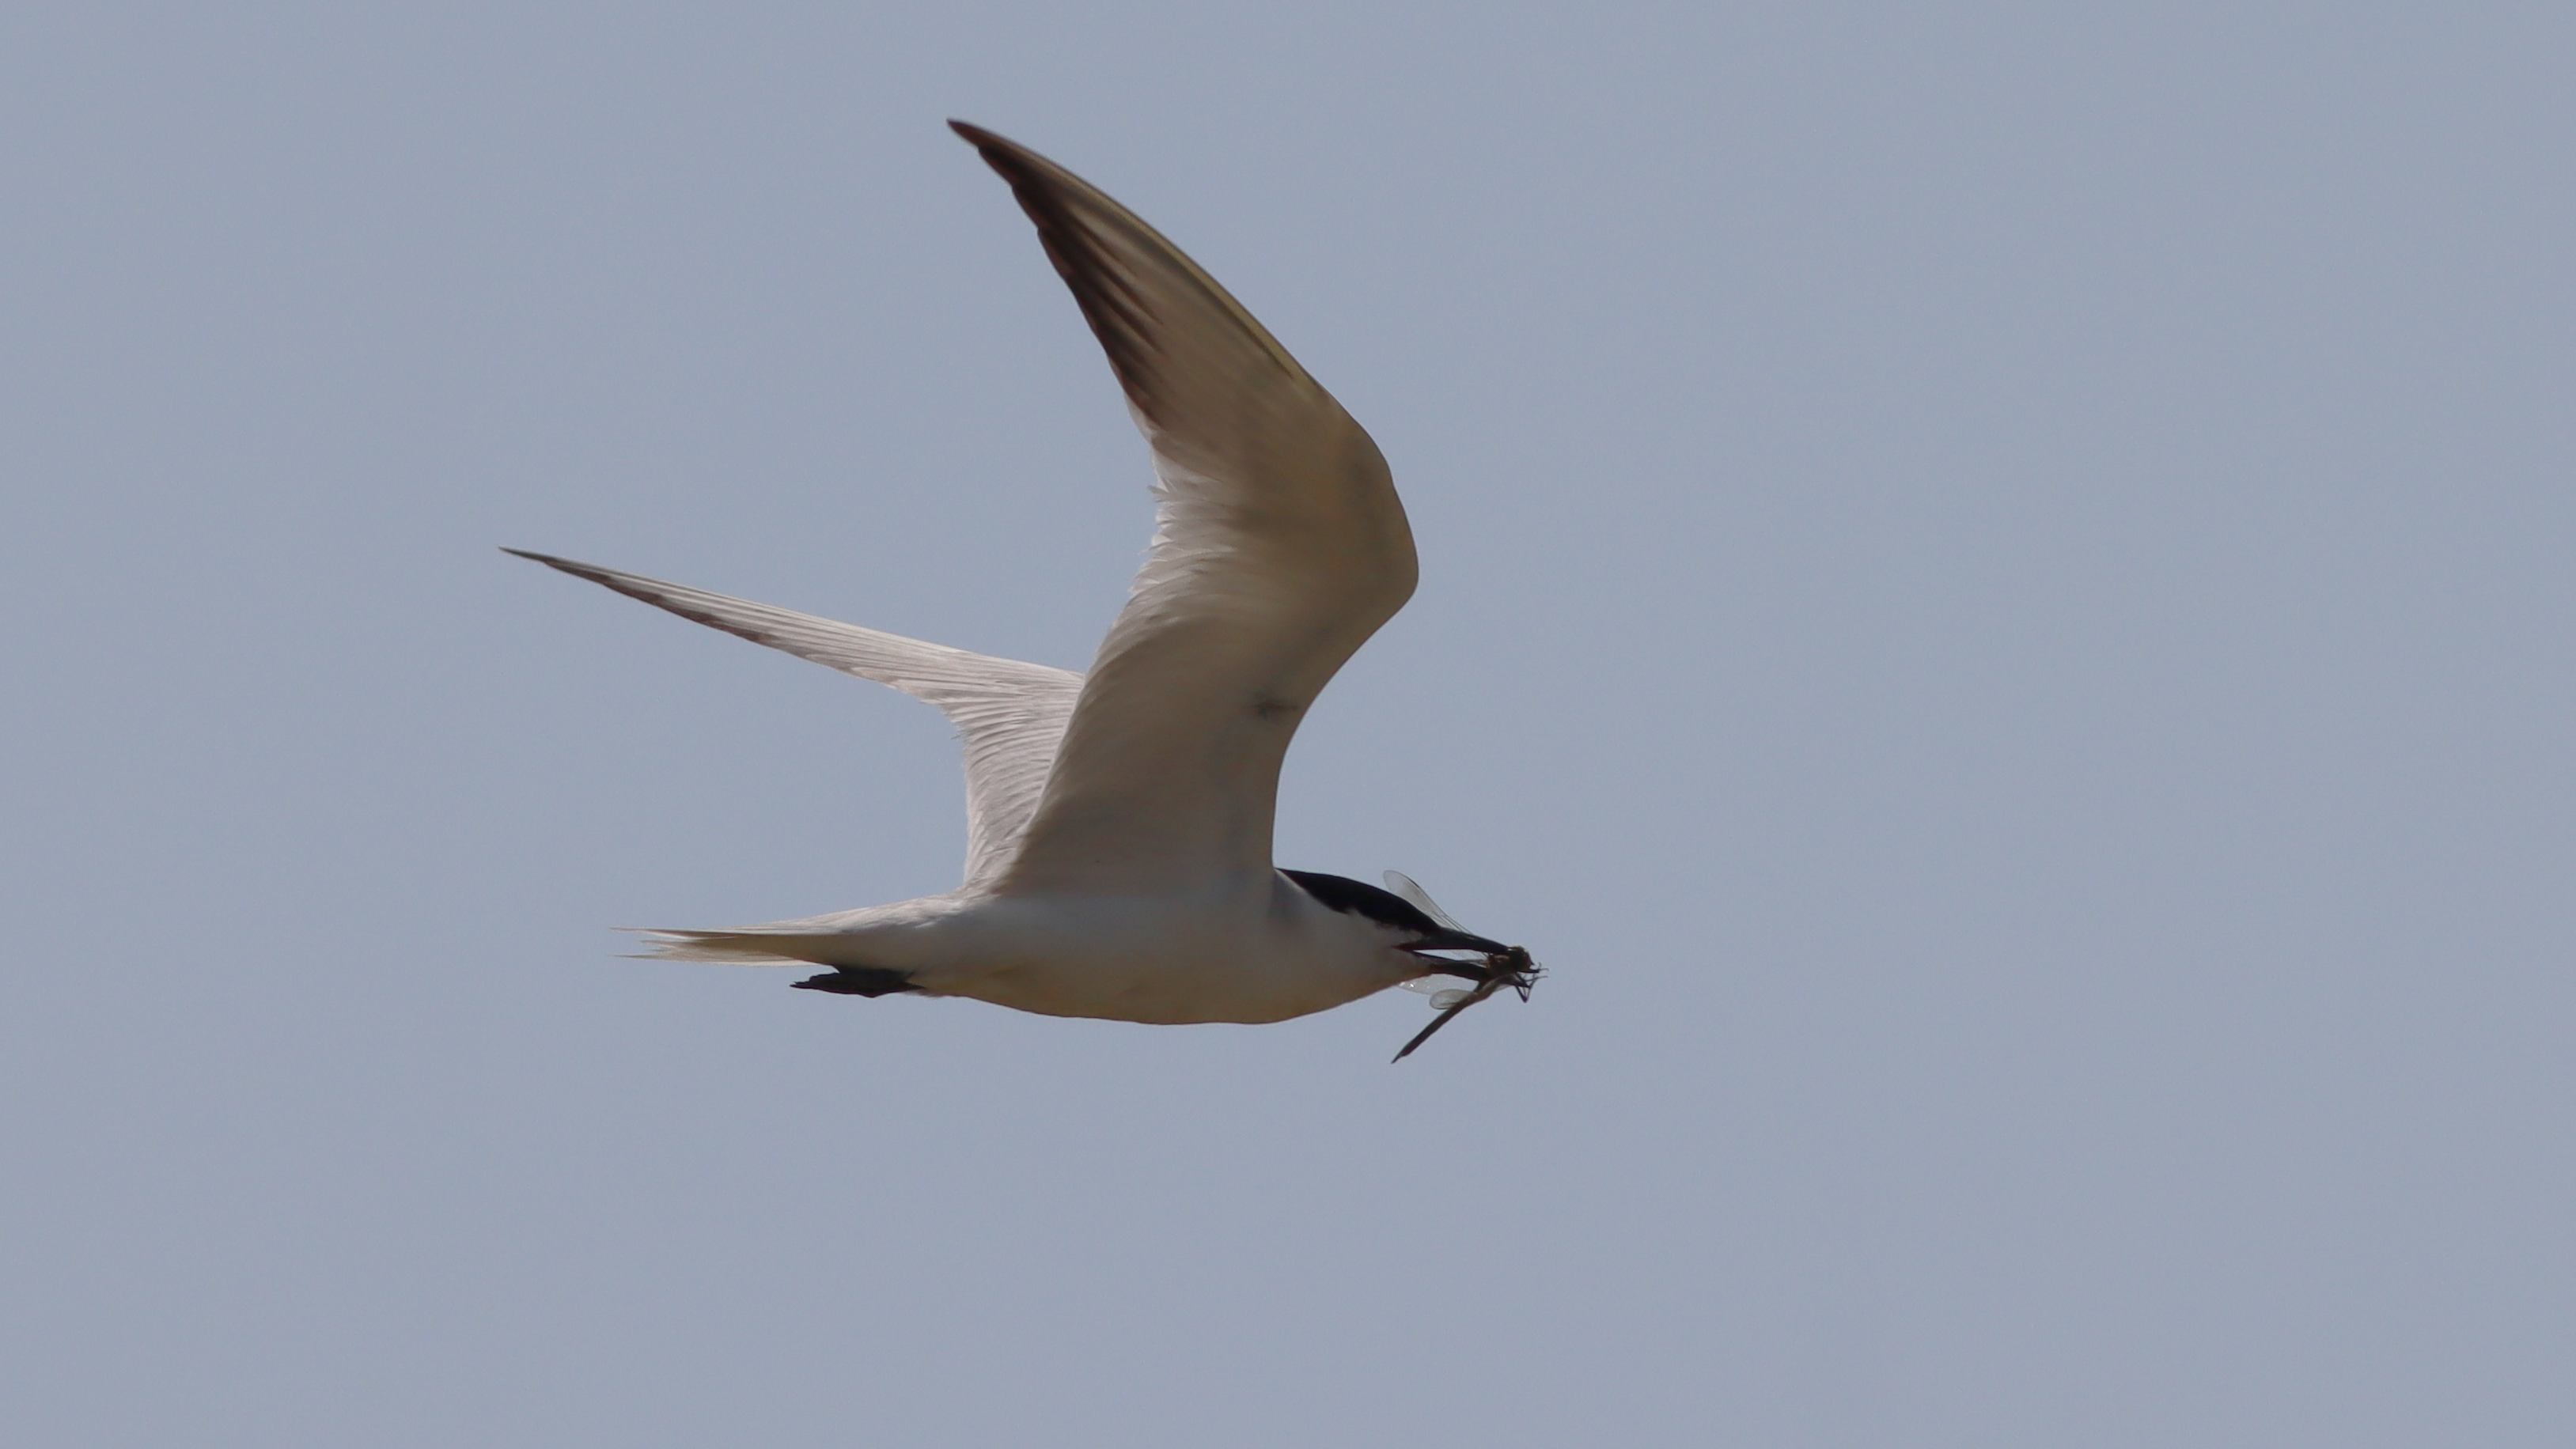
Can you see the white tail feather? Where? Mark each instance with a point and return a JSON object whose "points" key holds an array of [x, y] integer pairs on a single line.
{"points": [[740, 948]]}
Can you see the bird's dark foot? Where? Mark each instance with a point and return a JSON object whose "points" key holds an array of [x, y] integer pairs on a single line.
{"points": [[859, 981]]}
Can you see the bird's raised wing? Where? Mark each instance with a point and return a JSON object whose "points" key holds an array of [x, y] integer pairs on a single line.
{"points": [[1279, 547], [1009, 714]]}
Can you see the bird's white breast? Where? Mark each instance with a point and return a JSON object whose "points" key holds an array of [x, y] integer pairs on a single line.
{"points": [[1257, 952]]}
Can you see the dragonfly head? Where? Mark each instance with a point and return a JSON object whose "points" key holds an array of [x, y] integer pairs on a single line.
{"points": [[1513, 967]]}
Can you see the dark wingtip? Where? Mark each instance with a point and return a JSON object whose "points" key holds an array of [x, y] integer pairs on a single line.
{"points": [[999, 152], [1017, 164], [574, 567], [577, 570]]}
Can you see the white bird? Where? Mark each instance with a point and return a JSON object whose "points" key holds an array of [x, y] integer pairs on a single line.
{"points": [[1118, 824]]}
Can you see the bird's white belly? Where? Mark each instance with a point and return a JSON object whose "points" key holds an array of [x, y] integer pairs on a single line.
{"points": [[1162, 961]]}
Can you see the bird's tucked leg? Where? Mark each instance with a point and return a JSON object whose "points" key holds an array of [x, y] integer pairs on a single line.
{"points": [[859, 981]]}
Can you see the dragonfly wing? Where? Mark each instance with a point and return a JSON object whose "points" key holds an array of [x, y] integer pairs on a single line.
{"points": [[1405, 886]]}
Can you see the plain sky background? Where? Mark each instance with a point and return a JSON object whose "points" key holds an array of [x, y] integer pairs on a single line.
{"points": [[1996, 606]]}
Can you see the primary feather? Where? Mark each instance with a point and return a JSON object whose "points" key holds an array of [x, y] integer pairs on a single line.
{"points": [[1279, 547], [1008, 714]]}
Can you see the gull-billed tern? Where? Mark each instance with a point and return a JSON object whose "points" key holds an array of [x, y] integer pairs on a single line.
{"points": [[1118, 823]]}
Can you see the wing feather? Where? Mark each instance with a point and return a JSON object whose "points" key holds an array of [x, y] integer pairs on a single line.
{"points": [[1009, 715], [1279, 547]]}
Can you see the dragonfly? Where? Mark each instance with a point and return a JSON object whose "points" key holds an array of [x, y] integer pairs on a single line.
{"points": [[1511, 966]]}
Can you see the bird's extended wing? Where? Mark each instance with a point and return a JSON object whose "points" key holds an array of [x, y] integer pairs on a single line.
{"points": [[1279, 547], [1009, 714]]}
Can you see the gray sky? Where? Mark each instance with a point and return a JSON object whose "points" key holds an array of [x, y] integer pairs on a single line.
{"points": [[1996, 605]]}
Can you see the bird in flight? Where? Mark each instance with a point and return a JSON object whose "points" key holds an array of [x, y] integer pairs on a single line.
{"points": [[1118, 822]]}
